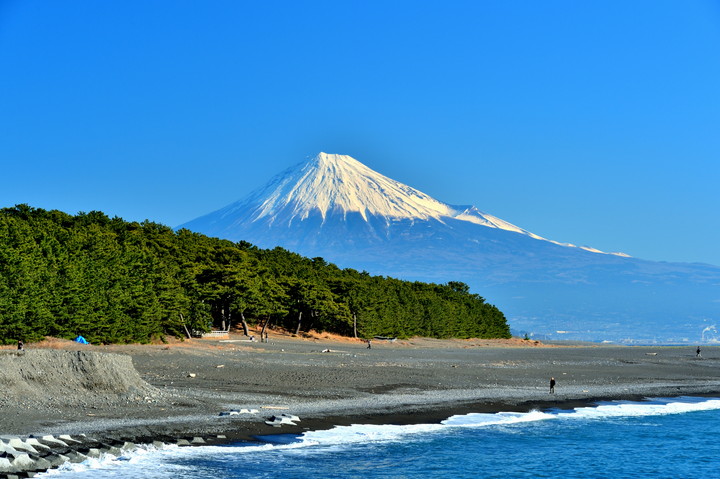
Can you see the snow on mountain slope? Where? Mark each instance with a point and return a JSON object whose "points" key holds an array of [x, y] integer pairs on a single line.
{"points": [[339, 184]]}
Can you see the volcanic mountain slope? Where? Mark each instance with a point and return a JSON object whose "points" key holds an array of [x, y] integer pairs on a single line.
{"points": [[335, 207], [337, 189]]}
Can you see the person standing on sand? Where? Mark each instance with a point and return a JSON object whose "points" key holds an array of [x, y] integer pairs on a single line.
{"points": [[552, 385], [369, 344], [21, 346]]}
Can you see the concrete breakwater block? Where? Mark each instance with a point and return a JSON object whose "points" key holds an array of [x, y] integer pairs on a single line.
{"points": [[114, 450], [92, 452], [40, 463], [20, 445], [19, 461], [37, 444], [4, 447], [56, 460], [22, 461], [76, 457], [6, 465], [69, 440], [52, 441], [24, 457]]}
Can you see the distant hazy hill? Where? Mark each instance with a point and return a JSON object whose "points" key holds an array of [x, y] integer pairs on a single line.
{"points": [[335, 207]]}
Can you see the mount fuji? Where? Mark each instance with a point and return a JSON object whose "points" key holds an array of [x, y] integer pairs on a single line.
{"points": [[335, 207]]}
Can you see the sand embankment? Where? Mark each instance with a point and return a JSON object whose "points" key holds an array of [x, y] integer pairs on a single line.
{"points": [[44, 378]]}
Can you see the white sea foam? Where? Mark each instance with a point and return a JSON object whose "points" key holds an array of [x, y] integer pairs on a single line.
{"points": [[496, 419], [140, 455], [141, 462], [363, 433], [614, 409], [656, 407]]}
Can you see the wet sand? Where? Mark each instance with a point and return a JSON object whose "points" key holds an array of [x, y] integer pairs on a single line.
{"points": [[329, 382]]}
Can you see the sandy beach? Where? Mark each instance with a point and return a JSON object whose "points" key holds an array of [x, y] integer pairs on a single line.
{"points": [[188, 388]]}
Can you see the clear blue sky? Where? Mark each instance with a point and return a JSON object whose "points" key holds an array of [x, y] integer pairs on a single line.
{"points": [[591, 122]]}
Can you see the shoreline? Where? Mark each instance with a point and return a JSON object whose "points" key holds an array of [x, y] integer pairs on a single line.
{"points": [[25, 457], [330, 383], [216, 431]]}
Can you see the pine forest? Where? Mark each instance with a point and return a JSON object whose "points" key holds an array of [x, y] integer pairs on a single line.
{"points": [[114, 281]]}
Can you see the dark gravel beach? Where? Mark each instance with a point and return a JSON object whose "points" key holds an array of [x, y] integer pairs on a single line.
{"points": [[181, 389]]}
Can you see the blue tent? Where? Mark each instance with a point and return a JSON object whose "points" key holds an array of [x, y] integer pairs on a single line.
{"points": [[81, 340]]}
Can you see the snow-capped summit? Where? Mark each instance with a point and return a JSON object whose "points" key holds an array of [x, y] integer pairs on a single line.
{"points": [[340, 183], [331, 184]]}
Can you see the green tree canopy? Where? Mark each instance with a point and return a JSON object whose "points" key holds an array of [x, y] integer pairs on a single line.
{"points": [[114, 281]]}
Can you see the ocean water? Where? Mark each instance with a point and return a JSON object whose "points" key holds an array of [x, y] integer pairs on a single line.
{"points": [[657, 438]]}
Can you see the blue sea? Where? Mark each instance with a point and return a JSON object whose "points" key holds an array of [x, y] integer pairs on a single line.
{"points": [[657, 438]]}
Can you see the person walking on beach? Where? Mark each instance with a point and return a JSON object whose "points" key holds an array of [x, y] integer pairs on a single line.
{"points": [[552, 385], [697, 353], [369, 344]]}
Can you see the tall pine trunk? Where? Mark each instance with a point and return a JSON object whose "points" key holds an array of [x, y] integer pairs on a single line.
{"points": [[267, 321], [313, 315], [297, 330], [244, 324]]}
